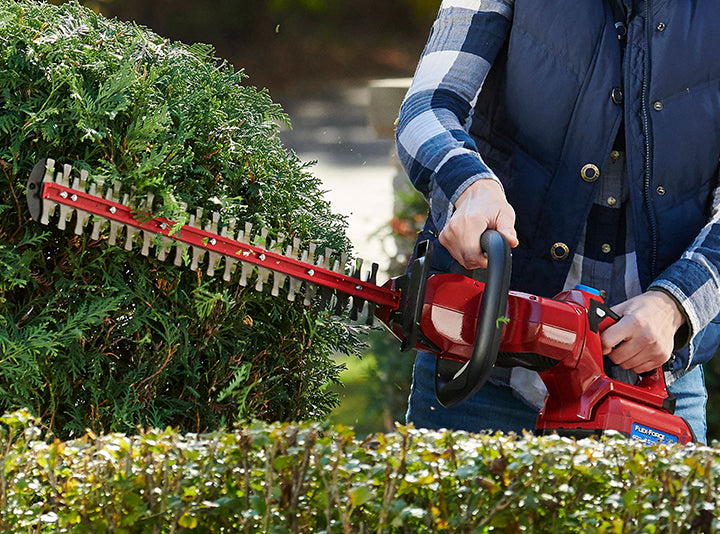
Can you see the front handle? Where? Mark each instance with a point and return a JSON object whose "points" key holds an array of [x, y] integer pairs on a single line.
{"points": [[477, 369]]}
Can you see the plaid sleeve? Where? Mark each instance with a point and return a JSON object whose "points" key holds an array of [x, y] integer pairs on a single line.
{"points": [[434, 146], [694, 280]]}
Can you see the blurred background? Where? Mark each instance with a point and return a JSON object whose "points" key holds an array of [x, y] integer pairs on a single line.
{"points": [[283, 43], [338, 69]]}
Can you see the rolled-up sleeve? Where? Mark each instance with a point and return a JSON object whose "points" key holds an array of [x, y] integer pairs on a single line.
{"points": [[434, 146]]}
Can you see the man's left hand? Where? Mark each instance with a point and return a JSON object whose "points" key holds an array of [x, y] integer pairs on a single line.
{"points": [[643, 339]]}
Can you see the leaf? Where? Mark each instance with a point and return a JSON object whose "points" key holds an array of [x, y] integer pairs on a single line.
{"points": [[188, 521], [360, 495]]}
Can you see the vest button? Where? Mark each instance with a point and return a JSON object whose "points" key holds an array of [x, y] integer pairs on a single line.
{"points": [[611, 201], [606, 248], [621, 30], [590, 173], [657, 106], [614, 155], [617, 95], [559, 251]]}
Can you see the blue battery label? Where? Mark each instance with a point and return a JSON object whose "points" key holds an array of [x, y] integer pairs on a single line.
{"points": [[651, 436]]}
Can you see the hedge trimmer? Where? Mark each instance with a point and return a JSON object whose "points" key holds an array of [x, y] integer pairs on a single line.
{"points": [[470, 325]]}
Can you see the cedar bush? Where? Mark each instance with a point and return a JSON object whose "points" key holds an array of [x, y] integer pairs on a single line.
{"points": [[97, 337], [314, 477]]}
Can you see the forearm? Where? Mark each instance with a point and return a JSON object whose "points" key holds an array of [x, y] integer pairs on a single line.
{"points": [[433, 143], [694, 280]]}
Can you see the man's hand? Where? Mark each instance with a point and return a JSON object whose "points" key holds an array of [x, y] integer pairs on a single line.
{"points": [[481, 206], [643, 339]]}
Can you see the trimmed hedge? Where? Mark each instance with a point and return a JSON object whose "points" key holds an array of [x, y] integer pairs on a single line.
{"points": [[315, 477]]}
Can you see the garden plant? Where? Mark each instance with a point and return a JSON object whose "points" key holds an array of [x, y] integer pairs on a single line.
{"points": [[99, 337]]}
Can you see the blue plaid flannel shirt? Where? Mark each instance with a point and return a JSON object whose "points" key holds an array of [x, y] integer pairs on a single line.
{"points": [[440, 158]]}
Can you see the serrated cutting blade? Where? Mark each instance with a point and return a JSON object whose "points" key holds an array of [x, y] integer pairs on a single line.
{"points": [[46, 191]]}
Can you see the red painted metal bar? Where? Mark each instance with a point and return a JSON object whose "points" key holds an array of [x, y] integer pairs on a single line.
{"points": [[226, 246]]}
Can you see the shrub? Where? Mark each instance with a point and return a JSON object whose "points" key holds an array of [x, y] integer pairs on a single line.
{"points": [[319, 478], [99, 337]]}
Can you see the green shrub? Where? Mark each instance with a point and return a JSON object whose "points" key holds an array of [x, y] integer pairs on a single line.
{"points": [[319, 478], [98, 337]]}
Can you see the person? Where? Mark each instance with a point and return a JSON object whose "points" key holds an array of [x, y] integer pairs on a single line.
{"points": [[588, 135]]}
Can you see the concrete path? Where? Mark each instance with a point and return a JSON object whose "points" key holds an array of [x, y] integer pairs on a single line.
{"points": [[330, 126]]}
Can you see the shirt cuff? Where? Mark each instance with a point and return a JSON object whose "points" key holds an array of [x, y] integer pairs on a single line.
{"points": [[696, 294], [684, 333], [443, 207]]}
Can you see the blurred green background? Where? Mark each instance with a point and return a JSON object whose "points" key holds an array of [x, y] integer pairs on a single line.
{"points": [[286, 44]]}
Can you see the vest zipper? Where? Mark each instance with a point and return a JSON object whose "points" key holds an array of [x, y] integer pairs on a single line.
{"points": [[648, 143]]}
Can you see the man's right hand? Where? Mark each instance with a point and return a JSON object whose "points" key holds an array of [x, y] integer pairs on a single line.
{"points": [[481, 206]]}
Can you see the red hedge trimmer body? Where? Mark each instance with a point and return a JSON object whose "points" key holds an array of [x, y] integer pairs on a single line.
{"points": [[471, 326]]}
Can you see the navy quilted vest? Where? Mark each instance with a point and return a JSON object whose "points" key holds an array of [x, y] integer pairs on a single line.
{"points": [[546, 112]]}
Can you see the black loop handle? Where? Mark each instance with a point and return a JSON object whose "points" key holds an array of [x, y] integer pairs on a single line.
{"points": [[476, 371]]}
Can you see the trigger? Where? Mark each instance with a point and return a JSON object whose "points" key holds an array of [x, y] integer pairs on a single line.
{"points": [[598, 312]]}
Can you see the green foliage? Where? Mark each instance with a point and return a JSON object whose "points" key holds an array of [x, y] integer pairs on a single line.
{"points": [[102, 338], [319, 478]]}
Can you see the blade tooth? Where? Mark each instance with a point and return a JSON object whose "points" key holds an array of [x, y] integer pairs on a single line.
{"points": [[247, 269], [261, 239], [372, 279], [130, 231], [179, 253], [357, 302], [84, 179], [82, 217], [65, 211], [197, 253], [293, 251], [339, 265], [67, 170], [162, 250], [98, 222], [326, 293], [341, 298], [179, 246], [310, 292], [230, 263], [261, 278], [341, 303], [263, 273], [244, 236], [147, 235], [115, 192], [213, 257], [309, 255], [278, 278], [114, 195], [48, 206], [324, 261], [310, 289], [357, 269]]}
